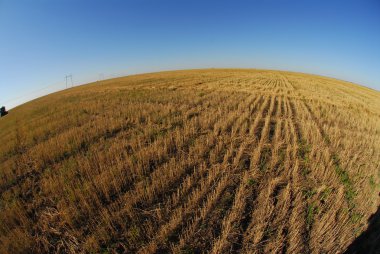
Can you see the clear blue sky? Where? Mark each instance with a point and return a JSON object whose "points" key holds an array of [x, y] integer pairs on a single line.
{"points": [[41, 41]]}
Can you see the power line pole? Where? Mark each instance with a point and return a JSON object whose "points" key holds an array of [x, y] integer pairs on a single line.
{"points": [[67, 79], [101, 77]]}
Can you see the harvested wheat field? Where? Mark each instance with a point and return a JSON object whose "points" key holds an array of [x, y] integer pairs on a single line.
{"points": [[199, 161]]}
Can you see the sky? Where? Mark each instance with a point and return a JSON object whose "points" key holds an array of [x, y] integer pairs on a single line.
{"points": [[42, 41]]}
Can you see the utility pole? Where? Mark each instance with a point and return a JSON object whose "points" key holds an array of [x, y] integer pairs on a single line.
{"points": [[101, 77], [67, 77]]}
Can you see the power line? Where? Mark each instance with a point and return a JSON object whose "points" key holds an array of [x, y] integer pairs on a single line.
{"points": [[68, 81], [32, 92]]}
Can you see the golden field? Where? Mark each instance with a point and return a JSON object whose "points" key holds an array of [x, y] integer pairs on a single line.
{"points": [[199, 161]]}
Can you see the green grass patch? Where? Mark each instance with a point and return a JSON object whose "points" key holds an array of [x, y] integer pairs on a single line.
{"points": [[325, 194], [251, 182], [309, 193], [372, 183], [350, 193], [310, 214]]}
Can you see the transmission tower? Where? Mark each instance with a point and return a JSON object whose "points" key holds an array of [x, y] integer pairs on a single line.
{"points": [[69, 79], [101, 76]]}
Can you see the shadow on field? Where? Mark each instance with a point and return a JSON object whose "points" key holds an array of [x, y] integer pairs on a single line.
{"points": [[369, 240]]}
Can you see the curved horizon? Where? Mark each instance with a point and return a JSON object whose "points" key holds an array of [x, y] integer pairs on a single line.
{"points": [[193, 69]]}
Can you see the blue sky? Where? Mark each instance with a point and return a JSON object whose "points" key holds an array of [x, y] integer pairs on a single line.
{"points": [[41, 41]]}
